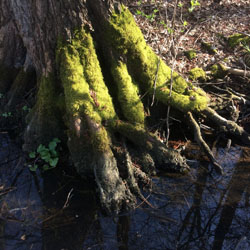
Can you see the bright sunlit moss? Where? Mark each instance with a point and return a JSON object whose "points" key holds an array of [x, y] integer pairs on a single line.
{"points": [[126, 37]]}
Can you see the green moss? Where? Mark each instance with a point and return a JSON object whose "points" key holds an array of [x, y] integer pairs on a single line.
{"points": [[100, 140], [136, 133], [128, 97], [83, 42], [195, 100], [218, 71], [127, 39], [81, 71], [238, 39], [85, 92], [46, 100], [44, 120], [190, 54], [197, 74], [209, 48]]}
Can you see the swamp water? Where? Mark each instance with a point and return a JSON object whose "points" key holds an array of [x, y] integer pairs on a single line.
{"points": [[200, 211]]}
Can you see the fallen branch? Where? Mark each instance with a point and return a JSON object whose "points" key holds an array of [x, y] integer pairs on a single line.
{"points": [[238, 72], [202, 143], [228, 126]]}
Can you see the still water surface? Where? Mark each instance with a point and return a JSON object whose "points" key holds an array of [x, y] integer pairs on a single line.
{"points": [[54, 212]]}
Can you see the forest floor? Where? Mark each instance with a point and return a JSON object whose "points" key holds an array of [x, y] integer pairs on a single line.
{"points": [[172, 28], [186, 30]]}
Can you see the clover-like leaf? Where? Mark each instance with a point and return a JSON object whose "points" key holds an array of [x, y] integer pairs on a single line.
{"points": [[56, 140], [32, 155], [45, 167], [33, 168], [52, 145], [40, 148], [53, 162]]}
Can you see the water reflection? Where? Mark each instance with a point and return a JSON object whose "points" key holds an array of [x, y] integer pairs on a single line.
{"points": [[199, 211]]}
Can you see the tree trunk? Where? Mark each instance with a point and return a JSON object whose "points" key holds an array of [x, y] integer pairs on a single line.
{"points": [[92, 69]]}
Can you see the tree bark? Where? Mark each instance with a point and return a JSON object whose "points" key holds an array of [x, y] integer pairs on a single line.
{"points": [[92, 67]]}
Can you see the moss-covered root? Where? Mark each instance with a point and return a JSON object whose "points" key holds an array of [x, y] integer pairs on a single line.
{"points": [[24, 80], [87, 101], [127, 40], [128, 97], [238, 39], [44, 120], [165, 158], [197, 74], [88, 104], [228, 126]]}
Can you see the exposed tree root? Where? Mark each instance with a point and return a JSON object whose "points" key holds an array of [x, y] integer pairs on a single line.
{"points": [[203, 144], [238, 72], [165, 158], [227, 126]]}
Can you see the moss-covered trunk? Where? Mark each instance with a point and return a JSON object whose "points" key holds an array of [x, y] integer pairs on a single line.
{"points": [[93, 101]]}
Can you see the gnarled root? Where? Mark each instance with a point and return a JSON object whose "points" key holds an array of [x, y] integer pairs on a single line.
{"points": [[165, 158], [202, 143], [113, 191], [227, 125]]}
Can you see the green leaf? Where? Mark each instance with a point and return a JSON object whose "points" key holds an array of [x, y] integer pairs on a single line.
{"points": [[33, 168], [185, 23], [53, 153], [46, 167], [52, 145], [32, 155], [40, 148], [53, 162], [56, 140], [46, 156], [170, 31]]}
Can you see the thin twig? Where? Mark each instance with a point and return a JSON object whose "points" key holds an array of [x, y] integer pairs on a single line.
{"points": [[172, 70], [156, 77], [203, 144], [170, 94], [66, 204]]}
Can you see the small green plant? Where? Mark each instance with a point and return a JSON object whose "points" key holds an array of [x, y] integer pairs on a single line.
{"points": [[6, 114], [194, 4], [1, 95], [25, 108], [139, 13], [185, 23], [180, 4], [150, 17], [246, 47], [170, 31], [47, 156], [163, 24]]}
